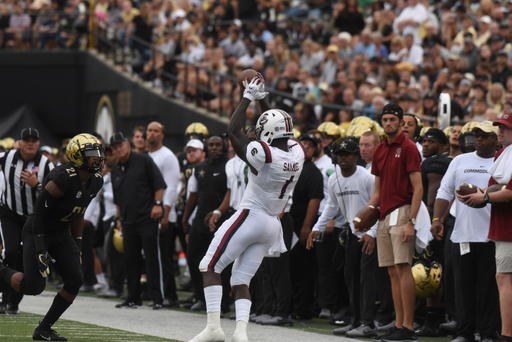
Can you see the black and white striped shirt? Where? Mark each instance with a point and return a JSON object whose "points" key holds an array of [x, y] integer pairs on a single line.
{"points": [[18, 196]]}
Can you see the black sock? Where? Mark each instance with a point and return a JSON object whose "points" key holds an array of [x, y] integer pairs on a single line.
{"points": [[58, 307], [505, 338]]}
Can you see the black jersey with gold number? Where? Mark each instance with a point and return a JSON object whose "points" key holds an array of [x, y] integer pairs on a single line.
{"points": [[76, 196]]}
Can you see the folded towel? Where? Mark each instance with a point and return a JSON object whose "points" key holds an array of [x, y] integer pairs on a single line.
{"points": [[501, 169], [423, 234]]}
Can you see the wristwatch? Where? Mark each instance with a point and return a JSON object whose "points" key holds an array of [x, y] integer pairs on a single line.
{"points": [[486, 197], [413, 221], [158, 202], [39, 187]]}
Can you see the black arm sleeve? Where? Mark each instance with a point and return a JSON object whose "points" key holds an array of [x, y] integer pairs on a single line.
{"points": [[44, 204]]}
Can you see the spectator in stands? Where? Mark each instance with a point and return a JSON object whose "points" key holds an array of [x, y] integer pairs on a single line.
{"points": [[233, 45], [17, 35], [308, 60], [348, 17]]}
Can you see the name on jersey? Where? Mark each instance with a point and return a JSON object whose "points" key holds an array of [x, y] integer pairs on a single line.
{"points": [[291, 167], [475, 171], [348, 192]]}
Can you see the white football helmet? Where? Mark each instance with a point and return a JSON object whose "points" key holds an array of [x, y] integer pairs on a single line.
{"points": [[274, 124]]}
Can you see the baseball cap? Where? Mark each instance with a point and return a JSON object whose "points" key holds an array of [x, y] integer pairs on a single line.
{"points": [[404, 66], [429, 95], [332, 48], [487, 127], [117, 138], [468, 40], [46, 149], [496, 38], [502, 53], [347, 145], [345, 35], [393, 108], [311, 137], [437, 135], [506, 120], [454, 56], [466, 82], [29, 132], [486, 19], [195, 143]]}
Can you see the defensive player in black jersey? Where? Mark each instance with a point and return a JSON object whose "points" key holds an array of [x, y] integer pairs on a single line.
{"points": [[53, 233]]}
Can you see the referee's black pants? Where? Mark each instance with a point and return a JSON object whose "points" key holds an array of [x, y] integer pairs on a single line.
{"points": [[12, 228], [360, 271], [476, 295], [143, 236]]}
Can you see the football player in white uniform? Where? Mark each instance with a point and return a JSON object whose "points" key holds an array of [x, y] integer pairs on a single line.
{"points": [[275, 162]]}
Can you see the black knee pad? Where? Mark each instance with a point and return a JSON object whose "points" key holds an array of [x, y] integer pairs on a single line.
{"points": [[71, 289]]}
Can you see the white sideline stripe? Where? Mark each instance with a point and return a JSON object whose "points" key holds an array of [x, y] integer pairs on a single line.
{"points": [[169, 324]]}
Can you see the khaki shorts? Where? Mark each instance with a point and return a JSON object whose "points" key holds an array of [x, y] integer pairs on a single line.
{"points": [[392, 250], [503, 256]]}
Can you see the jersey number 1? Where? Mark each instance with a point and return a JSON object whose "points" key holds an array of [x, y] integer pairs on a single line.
{"points": [[283, 189]]}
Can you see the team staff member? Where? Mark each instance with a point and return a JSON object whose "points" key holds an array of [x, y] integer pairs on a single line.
{"points": [[474, 269], [55, 228], [138, 191], [349, 191], [207, 189], [398, 193], [501, 216], [168, 165], [306, 198], [23, 173]]}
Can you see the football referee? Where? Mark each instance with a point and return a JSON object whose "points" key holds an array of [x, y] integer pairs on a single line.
{"points": [[24, 171]]}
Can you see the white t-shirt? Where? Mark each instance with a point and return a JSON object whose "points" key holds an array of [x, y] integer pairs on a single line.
{"points": [[349, 195], [415, 56], [324, 164], [472, 224], [108, 198], [417, 13], [235, 173], [420, 149], [278, 172], [169, 167]]}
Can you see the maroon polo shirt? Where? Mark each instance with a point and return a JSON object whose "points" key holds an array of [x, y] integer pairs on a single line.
{"points": [[393, 163], [501, 215]]}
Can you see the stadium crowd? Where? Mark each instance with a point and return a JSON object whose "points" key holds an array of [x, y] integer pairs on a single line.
{"points": [[334, 67]]}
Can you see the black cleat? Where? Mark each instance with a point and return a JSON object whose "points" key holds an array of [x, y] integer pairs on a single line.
{"points": [[129, 305], [47, 335]]}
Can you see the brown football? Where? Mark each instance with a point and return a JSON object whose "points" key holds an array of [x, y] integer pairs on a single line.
{"points": [[496, 187], [247, 73], [467, 189], [366, 218]]}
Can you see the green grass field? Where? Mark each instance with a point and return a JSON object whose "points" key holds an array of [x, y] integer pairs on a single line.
{"points": [[14, 328], [19, 328]]}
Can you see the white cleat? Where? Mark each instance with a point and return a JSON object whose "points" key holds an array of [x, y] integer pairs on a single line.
{"points": [[240, 334], [208, 335], [213, 331]]}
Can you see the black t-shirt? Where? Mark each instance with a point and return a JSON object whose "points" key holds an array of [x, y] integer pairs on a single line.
{"points": [[143, 29], [134, 184], [211, 185], [76, 196], [309, 186], [435, 164]]}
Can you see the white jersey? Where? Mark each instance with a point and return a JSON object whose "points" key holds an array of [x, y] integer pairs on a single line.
{"points": [[350, 195], [278, 172], [169, 167], [108, 197], [236, 174], [472, 224]]}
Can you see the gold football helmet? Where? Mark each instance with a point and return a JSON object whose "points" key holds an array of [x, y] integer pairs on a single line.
{"points": [[427, 278], [330, 128], [118, 241], [196, 130], [82, 147]]}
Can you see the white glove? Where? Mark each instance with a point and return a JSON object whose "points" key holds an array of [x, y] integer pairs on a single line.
{"points": [[252, 88], [261, 93]]}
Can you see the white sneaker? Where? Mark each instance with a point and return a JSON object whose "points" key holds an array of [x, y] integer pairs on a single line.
{"points": [[362, 331]]}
